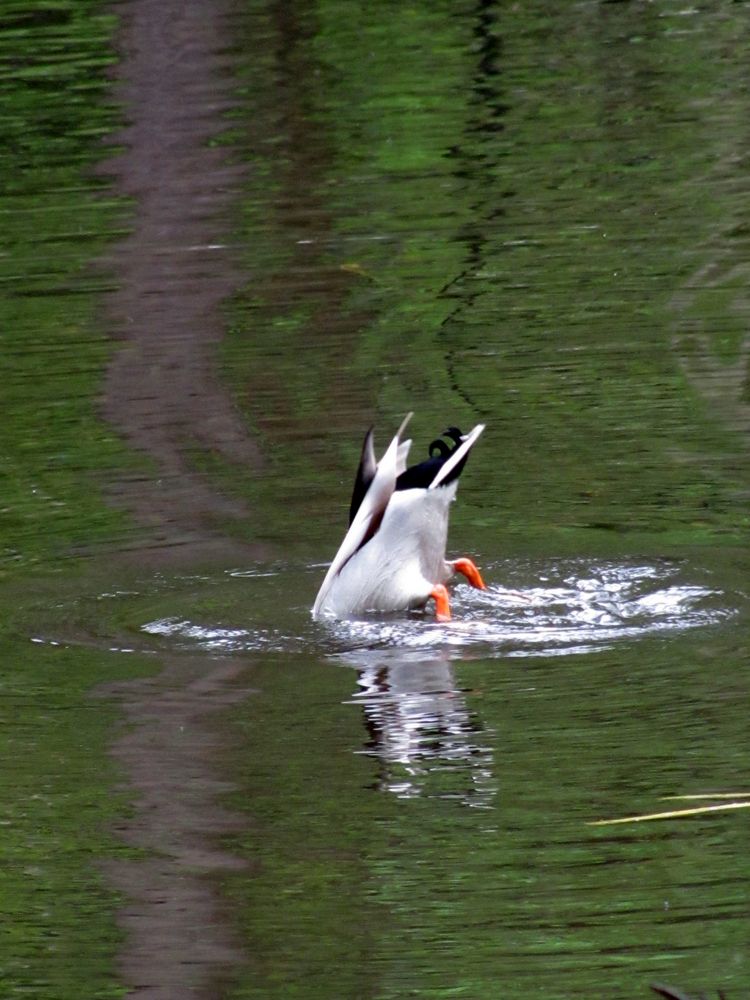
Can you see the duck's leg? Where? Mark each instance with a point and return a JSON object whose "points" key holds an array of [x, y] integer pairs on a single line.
{"points": [[439, 594], [468, 569]]}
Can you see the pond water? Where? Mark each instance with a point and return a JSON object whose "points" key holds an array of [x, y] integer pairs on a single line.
{"points": [[238, 236]]}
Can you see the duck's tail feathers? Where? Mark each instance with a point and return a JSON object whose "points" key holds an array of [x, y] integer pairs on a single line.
{"points": [[457, 458]]}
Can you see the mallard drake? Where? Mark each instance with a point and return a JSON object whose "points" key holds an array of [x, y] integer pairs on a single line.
{"points": [[392, 557]]}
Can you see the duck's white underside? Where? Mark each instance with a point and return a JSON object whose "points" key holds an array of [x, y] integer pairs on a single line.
{"points": [[401, 564]]}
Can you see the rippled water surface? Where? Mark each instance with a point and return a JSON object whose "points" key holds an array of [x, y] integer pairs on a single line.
{"points": [[554, 608], [236, 235]]}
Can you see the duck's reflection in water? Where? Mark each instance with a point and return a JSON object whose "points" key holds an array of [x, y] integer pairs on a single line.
{"points": [[420, 729]]}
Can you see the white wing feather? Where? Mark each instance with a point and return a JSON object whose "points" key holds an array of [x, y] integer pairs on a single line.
{"points": [[455, 458], [372, 507]]}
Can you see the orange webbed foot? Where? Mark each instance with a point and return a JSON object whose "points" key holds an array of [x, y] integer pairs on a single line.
{"points": [[439, 593], [468, 569]]}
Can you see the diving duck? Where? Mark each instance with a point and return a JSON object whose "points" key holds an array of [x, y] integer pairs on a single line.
{"points": [[392, 557]]}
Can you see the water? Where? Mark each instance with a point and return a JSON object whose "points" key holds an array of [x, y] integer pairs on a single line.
{"points": [[527, 215], [564, 607]]}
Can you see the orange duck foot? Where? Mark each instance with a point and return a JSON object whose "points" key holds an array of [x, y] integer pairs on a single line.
{"points": [[467, 568], [439, 593]]}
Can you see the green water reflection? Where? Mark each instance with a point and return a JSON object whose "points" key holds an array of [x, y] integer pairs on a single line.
{"points": [[55, 218], [533, 215], [427, 896], [59, 936], [502, 218], [57, 800]]}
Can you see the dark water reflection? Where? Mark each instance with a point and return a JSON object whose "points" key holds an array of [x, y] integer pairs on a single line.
{"points": [[528, 214], [421, 730]]}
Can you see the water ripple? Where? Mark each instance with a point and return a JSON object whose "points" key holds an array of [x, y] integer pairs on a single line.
{"points": [[539, 609], [571, 608]]}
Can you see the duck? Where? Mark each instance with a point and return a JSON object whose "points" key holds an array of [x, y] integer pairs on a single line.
{"points": [[393, 556]]}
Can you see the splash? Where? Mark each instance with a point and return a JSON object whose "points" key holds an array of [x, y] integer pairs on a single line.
{"points": [[569, 608], [214, 638], [539, 610]]}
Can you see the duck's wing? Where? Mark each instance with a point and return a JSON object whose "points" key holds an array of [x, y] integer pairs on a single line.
{"points": [[452, 466], [370, 511], [368, 467]]}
